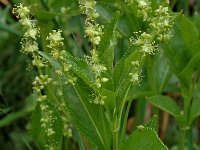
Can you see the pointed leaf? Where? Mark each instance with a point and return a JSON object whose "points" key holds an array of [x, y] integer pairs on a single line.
{"points": [[144, 139], [189, 36], [85, 115], [165, 103], [107, 43]]}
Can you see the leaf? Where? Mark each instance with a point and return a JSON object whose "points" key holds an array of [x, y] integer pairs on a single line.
{"points": [[153, 123], [86, 115], [54, 63], [82, 69], [39, 133], [194, 110], [192, 65], [124, 67], [10, 29], [107, 43], [165, 103], [12, 116], [160, 72], [45, 16], [191, 35], [144, 139]]}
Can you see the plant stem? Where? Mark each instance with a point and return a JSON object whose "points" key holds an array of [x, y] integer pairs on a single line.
{"points": [[182, 139], [187, 95], [123, 131], [115, 135]]}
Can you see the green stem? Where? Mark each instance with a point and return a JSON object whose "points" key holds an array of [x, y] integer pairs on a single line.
{"points": [[124, 123], [104, 128], [187, 94], [182, 139], [115, 134]]}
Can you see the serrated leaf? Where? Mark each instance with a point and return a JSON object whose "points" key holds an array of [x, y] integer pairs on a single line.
{"points": [[110, 100], [144, 139], [122, 78], [152, 123], [165, 103], [82, 69], [86, 115], [124, 67], [107, 43], [54, 63], [79, 66]]}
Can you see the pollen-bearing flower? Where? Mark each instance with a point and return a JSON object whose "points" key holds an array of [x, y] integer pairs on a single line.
{"points": [[55, 44], [55, 38]]}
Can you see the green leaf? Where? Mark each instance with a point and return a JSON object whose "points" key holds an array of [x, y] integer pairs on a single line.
{"points": [[12, 116], [86, 115], [82, 69], [152, 123], [191, 35], [159, 71], [39, 133], [54, 63], [124, 67], [192, 65], [195, 110], [165, 103], [43, 15], [107, 43], [144, 139]]}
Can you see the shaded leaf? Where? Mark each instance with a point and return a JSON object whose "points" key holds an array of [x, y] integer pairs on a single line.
{"points": [[165, 103]]}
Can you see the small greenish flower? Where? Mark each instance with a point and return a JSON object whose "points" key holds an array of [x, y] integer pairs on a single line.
{"points": [[67, 67], [135, 78], [22, 11], [39, 62], [55, 39], [32, 33], [29, 47], [40, 82], [100, 100]]}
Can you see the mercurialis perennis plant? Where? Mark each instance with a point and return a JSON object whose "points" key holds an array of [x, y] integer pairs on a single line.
{"points": [[88, 98]]}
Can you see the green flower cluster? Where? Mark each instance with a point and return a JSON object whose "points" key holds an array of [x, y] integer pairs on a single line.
{"points": [[94, 32], [160, 21], [40, 84]]}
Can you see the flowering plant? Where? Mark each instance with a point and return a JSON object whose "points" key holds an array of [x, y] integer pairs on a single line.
{"points": [[90, 96]]}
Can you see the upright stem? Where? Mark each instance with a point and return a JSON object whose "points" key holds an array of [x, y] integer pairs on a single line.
{"points": [[182, 139], [187, 101], [115, 134]]}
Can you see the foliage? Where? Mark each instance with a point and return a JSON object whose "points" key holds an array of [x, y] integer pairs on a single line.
{"points": [[92, 68]]}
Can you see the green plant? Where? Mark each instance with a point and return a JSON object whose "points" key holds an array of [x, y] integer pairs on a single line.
{"points": [[93, 91]]}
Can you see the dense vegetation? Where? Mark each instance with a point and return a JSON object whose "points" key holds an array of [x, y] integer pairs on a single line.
{"points": [[106, 74]]}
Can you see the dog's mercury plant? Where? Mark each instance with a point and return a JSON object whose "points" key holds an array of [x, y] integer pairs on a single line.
{"points": [[77, 85], [94, 31], [30, 46]]}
